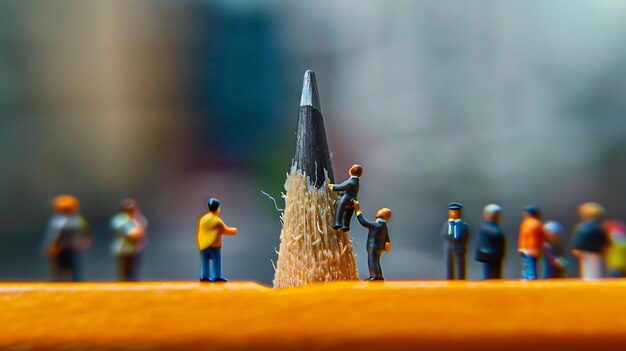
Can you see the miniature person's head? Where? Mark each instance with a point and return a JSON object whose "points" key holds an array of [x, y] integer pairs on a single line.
{"points": [[66, 204], [214, 205], [129, 205], [384, 214], [355, 171], [454, 210], [492, 213], [553, 230], [531, 211], [591, 210]]}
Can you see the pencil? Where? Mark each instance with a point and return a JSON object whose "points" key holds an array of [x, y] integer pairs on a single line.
{"points": [[310, 250]]}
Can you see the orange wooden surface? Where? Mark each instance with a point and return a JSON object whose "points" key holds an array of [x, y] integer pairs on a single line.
{"points": [[346, 315]]}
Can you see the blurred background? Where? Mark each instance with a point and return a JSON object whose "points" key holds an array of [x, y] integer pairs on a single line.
{"points": [[173, 102]]}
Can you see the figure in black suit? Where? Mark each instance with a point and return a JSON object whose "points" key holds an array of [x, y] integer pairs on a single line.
{"points": [[345, 208], [455, 233], [491, 243], [377, 239]]}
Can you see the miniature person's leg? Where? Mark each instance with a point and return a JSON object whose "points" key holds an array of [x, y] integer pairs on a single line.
{"points": [[529, 264], [216, 254], [591, 266], [460, 265], [373, 263], [340, 214], [548, 269], [205, 257], [77, 273], [121, 268], [134, 268], [347, 218], [492, 270], [449, 259], [617, 274]]}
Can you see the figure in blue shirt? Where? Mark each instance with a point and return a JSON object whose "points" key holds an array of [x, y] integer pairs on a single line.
{"points": [[455, 234]]}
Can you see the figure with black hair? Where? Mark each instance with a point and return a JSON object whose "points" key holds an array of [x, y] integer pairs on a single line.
{"points": [[345, 206], [210, 231]]}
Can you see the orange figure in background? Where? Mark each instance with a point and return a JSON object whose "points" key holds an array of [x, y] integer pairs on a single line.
{"points": [[66, 236], [531, 241]]}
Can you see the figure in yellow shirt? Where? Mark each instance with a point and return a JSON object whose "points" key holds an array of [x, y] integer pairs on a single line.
{"points": [[210, 231]]}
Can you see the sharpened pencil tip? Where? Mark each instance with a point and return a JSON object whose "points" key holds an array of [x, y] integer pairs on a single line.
{"points": [[310, 96], [312, 156]]}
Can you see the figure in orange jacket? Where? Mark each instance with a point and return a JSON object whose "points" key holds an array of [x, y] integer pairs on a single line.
{"points": [[210, 231], [531, 241]]}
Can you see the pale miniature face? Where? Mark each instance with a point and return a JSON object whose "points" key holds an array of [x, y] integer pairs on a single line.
{"points": [[454, 214]]}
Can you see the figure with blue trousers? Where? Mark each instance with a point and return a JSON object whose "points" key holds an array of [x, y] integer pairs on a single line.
{"points": [[210, 231]]}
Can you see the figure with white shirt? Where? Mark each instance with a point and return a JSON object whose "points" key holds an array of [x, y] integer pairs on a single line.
{"points": [[455, 233]]}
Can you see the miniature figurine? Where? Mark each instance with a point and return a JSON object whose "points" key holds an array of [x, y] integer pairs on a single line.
{"points": [[377, 239], [129, 227], [455, 233], [491, 243], [554, 260], [345, 208], [210, 231], [616, 254], [590, 241], [66, 236], [531, 241]]}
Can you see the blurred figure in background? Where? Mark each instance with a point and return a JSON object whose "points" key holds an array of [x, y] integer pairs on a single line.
{"points": [[66, 235], [590, 240], [129, 227], [616, 253], [555, 263], [455, 234], [531, 241], [491, 243]]}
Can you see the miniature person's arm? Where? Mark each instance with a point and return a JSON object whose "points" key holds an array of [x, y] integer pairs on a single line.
{"points": [[226, 230], [85, 238], [387, 243], [359, 216], [339, 187], [49, 245]]}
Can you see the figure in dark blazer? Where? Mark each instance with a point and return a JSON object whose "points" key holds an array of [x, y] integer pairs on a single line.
{"points": [[491, 243], [377, 239], [345, 207], [455, 233]]}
